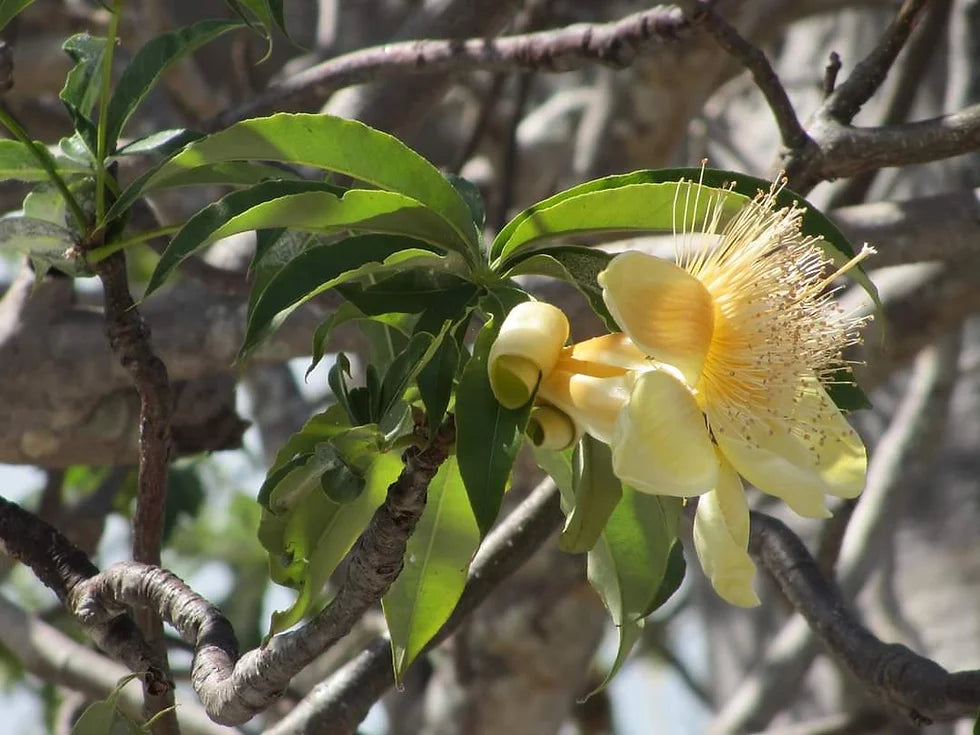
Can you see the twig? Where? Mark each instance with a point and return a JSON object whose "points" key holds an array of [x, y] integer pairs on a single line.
{"points": [[339, 704], [616, 44], [490, 100], [917, 686], [830, 73], [845, 102], [791, 131], [921, 48], [233, 690]]}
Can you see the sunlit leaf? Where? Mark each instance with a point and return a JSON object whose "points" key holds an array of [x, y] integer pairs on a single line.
{"points": [[18, 163], [322, 141], [436, 561], [597, 493]]}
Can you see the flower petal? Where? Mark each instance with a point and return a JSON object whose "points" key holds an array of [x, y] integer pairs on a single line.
{"points": [[667, 312], [660, 443], [549, 428], [721, 538], [797, 462], [593, 403], [527, 347]]}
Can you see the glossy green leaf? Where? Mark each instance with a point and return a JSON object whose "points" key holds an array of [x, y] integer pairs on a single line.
{"points": [[161, 143], [318, 533], [403, 369], [597, 493], [150, 62], [629, 208], [574, 264], [436, 381], [322, 141], [18, 163], [318, 269], [103, 717], [10, 8], [628, 564], [488, 436], [200, 229], [474, 200], [437, 558], [344, 313], [628, 633], [273, 250], [845, 392]]}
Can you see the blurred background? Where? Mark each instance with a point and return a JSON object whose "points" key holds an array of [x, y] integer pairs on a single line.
{"points": [[907, 553]]}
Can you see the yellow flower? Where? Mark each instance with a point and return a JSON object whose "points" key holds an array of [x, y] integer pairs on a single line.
{"points": [[718, 372]]}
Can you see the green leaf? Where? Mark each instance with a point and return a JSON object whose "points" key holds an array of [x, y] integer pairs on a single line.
{"points": [[103, 717], [150, 62], [604, 211], [845, 392], [83, 84], [273, 250], [341, 315], [437, 558], [488, 436], [633, 207], [161, 143], [404, 368], [318, 533], [10, 8], [200, 229], [412, 291], [334, 144], [314, 271], [320, 428], [628, 634], [597, 493], [18, 163], [673, 576], [435, 383], [629, 563], [47, 245], [573, 264], [474, 200]]}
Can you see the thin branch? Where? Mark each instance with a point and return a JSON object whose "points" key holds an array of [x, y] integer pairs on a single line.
{"points": [[917, 686], [830, 73], [869, 74], [752, 58], [616, 44], [340, 703]]}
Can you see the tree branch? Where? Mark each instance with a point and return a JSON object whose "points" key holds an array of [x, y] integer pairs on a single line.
{"points": [[233, 690], [616, 44], [918, 686], [339, 704], [752, 58], [869, 74]]}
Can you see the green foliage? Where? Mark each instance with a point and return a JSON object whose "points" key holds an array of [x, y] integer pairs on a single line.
{"points": [[488, 436], [104, 717], [10, 8], [436, 561]]}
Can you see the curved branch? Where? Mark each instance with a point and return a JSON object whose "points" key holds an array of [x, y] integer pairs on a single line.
{"points": [[616, 44], [918, 686]]}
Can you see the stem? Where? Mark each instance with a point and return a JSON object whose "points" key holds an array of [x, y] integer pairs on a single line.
{"points": [[104, 251], [101, 143], [44, 159]]}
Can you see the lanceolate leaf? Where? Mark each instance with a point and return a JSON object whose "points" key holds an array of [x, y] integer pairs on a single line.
{"points": [[150, 62], [18, 163], [314, 271], [199, 229], [597, 493], [436, 561], [577, 265], [10, 8], [344, 146], [317, 535], [488, 436]]}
